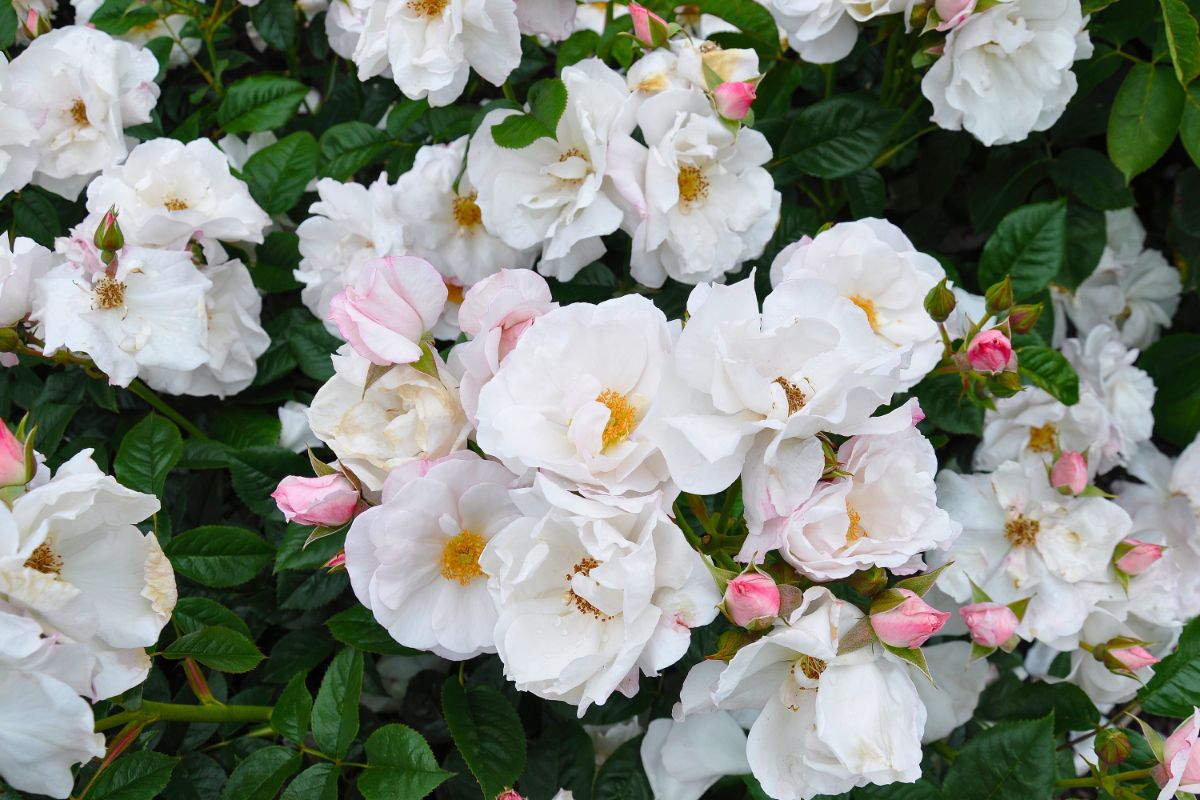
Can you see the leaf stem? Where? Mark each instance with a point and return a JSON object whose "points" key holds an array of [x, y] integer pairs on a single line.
{"points": [[146, 393], [151, 711], [1116, 777]]}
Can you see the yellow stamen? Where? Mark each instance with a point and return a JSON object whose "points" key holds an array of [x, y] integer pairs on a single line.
{"points": [[79, 112], [454, 294], [175, 204], [460, 557], [1042, 440], [811, 667], [856, 531], [1021, 531], [428, 8], [622, 417], [795, 398], [693, 185], [108, 292], [868, 307], [466, 212], [584, 567], [45, 560]]}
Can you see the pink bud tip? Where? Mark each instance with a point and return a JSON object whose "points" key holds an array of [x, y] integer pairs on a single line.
{"points": [[751, 596], [991, 352], [328, 501], [990, 624], [733, 99], [12, 458], [910, 623], [1139, 557], [1133, 658], [649, 28], [1070, 472]]}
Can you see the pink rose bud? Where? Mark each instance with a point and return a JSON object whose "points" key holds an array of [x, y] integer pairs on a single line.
{"points": [[1180, 767], [990, 351], [1070, 472], [990, 624], [388, 309], [733, 99], [509, 794], [953, 12], [12, 459], [751, 596], [1139, 556], [649, 28], [1133, 657], [918, 414], [329, 500], [337, 563], [908, 624]]}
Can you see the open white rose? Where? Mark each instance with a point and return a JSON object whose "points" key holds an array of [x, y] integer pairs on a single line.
{"points": [[572, 395], [1028, 426], [554, 193], [874, 265], [698, 201], [684, 758], [81, 88], [151, 313], [21, 265], [403, 416], [414, 560], [1006, 71], [18, 156], [593, 593], [819, 30], [951, 697]]}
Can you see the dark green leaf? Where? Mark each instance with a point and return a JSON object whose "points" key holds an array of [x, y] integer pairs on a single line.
{"points": [[275, 21], [277, 257], [400, 765], [561, 758], [404, 115], [1012, 761], [357, 627], [1174, 364], [836, 137], [193, 613], [1086, 232], [1030, 244], [293, 710], [1145, 116], [752, 18], [487, 732], [318, 782], [219, 556], [1092, 179], [260, 103], [519, 130], [335, 712], [261, 774], [8, 25], [622, 777], [147, 454], [134, 776], [548, 101], [1183, 39], [1189, 124], [1010, 699], [1048, 369], [34, 216], [945, 408], [256, 472], [216, 648], [351, 146], [278, 174]]}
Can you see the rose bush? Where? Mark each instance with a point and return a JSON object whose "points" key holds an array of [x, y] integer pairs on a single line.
{"points": [[534, 399]]}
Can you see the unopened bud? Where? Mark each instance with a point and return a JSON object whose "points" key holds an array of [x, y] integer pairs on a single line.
{"points": [[940, 302], [1024, 317], [1133, 556], [1123, 655], [1004, 384], [10, 340], [999, 296], [108, 238], [649, 28], [868, 582], [509, 794], [1112, 745]]}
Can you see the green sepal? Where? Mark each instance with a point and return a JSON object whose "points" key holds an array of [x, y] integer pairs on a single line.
{"points": [[912, 655], [921, 584], [858, 637]]}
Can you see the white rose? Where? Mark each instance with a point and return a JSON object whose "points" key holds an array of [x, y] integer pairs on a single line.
{"points": [[819, 30], [1028, 426], [403, 416], [1006, 71], [951, 697], [294, 433], [18, 156], [21, 265], [684, 758]]}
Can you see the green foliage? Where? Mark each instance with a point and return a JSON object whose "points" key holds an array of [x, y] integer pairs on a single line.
{"points": [[147, 454], [1030, 244], [1145, 117], [1175, 687], [1173, 362], [138, 776], [400, 764], [219, 648], [487, 732], [1011, 761], [219, 556], [335, 711]]}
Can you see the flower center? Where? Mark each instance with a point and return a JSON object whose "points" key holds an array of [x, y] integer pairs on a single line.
{"points": [[466, 212], [460, 557], [584, 567], [79, 111], [428, 8], [868, 307], [856, 531], [45, 560], [795, 398], [693, 185], [1021, 530], [567, 155], [173, 203], [454, 293], [108, 292], [811, 667], [622, 418], [1042, 440]]}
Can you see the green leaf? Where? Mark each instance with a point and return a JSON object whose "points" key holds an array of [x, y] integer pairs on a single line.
{"points": [[275, 21], [621, 775], [751, 18], [34, 216], [1092, 179], [261, 774], [242, 428], [147, 454], [219, 556], [1173, 362], [1012, 761], [519, 130], [1085, 244], [400, 764], [8, 25], [256, 471], [1144, 118], [945, 407], [1189, 124], [276, 258], [278, 174], [293, 710], [139, 775], [318, 782], [562, 758], [1010, 699], [260, 103], [487, 732], [216, 648], [836, 137], [335, 712], [1030, 244], [1048, 369], [1183, 39], [119, 16], [356, 627], [548, 101], [351, 146], [193, 613], [404, 115]]}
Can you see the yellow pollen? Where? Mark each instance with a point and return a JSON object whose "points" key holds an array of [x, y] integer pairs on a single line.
{"points": [[428, 8], [856, 531], [811, 667], [79, 111], [795, 398], [454, 294], [466, 212], [693, 185], [1021, 531], [622, 418], [460, 557], [584, 567], [175, 204], [45, 560], [1042, 440], [868, 307], [108, 292]]}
